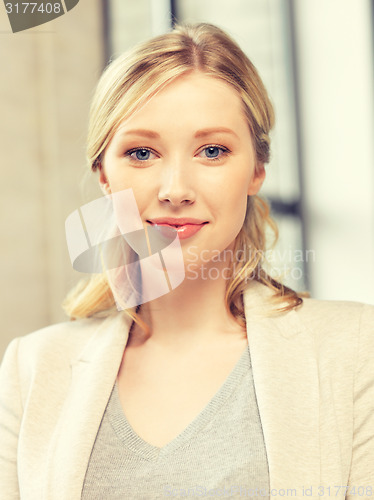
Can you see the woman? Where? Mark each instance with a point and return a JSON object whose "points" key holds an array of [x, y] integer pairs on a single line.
{"points": [[229, 384]]}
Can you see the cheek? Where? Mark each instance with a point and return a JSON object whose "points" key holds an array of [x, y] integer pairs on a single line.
{"points": [[143, 188], [120, 179], [236, 203], [231, 210], [237, 188]]}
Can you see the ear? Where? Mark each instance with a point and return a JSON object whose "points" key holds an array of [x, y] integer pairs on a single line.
{"points": [[103, 181], [257, 179]]}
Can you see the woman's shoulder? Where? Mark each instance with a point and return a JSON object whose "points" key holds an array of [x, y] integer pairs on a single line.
{"points": [[314, 311], [320, 318], [340, 328], [59, 343], [322, 314]]}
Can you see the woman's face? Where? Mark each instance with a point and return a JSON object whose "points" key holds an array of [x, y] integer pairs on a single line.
{"points": [[188, 153]]}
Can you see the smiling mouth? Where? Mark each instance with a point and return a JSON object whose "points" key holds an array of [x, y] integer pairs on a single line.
{"points": [[183, 231]]}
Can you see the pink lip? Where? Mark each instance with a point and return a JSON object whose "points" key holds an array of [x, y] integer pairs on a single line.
{"points": [[176, 221], [183, 228]]}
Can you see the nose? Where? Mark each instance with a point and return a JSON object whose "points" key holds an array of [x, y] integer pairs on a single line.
{"points": [[175, 184]]}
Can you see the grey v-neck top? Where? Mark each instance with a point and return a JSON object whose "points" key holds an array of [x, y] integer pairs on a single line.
{"points": [[221, 453]]}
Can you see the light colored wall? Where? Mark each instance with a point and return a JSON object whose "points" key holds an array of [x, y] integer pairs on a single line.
{"points": [[47, 78], [131, 23], [336, 88]]}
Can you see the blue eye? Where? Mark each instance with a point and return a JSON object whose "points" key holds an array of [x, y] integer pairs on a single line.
{"points": [[214, 152], [210, 153], [140, 154]]}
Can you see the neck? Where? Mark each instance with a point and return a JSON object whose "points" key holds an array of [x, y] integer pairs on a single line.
{"points": [[192, 314]]}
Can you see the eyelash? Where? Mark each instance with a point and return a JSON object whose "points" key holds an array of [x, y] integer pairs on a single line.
{"points": [[224, 152]]}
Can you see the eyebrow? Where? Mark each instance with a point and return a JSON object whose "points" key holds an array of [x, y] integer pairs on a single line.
{"points": [[217, 130], [200, 133]]}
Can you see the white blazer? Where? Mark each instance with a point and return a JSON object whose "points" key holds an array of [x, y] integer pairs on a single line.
{"points": [[313, 372]]}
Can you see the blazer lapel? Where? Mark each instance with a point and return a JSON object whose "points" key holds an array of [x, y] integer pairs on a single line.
{"points": [[93, 376], [285, 374]]}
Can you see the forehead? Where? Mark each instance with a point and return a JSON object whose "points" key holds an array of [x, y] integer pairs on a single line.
{"points": [[194, 97]]}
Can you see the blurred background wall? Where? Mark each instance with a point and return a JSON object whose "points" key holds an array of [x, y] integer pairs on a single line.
{"points": [[316, 59], [47, 77]]}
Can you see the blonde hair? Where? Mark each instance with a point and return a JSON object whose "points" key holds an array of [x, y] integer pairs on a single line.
{"points": [[127, 83]]}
